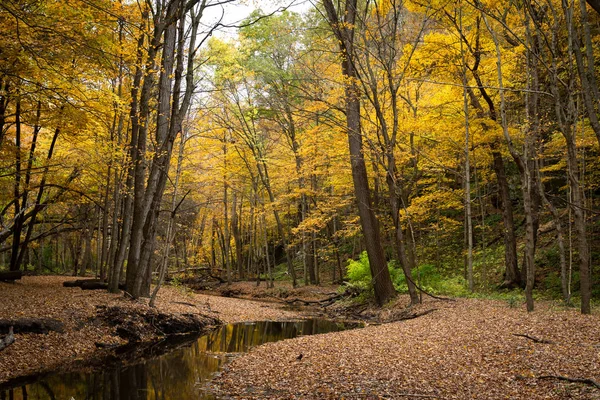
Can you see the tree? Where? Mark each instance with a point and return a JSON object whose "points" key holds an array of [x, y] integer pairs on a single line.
{"points": [[344, 29]]}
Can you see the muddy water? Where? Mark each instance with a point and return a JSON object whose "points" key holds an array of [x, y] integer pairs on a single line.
{"points": [[182, 373]]}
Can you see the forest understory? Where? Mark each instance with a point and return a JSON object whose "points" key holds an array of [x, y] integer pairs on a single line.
{"points": [[458, 348]]}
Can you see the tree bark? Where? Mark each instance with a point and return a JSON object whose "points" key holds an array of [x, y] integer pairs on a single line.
{"points": [[237, 236], [344, 31], [523, 161], [512, 275]]}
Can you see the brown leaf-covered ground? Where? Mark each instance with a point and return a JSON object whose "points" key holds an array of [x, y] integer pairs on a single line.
{"points": [[44, 296], [464, 350]]}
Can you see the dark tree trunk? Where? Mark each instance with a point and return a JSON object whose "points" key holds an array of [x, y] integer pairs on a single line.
{"points": [[512, 276], [595, 4], [382, 283], [18, 226]]}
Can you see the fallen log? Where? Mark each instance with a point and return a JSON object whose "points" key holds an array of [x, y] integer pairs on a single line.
{"points": [[10, 276], [90, 284], [184, 303], [192, 269], [102, 345], [414, 315], [80, 282], [8, 339], [31, 325], [99, 286]]}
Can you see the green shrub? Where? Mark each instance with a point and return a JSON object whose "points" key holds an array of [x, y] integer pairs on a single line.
{"points": [[359, 270], [427, 276]]}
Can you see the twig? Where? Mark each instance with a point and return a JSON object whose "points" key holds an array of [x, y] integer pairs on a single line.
{"points": [[427, 293], [184, 303], [533, 338], [587, 381]]}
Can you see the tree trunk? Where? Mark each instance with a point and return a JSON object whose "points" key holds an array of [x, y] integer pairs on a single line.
{"points": [[173, 105], [512, 276], [523, 161], [18, 225], [382, 283], [237, 237], [467, 177], [226, 235]]}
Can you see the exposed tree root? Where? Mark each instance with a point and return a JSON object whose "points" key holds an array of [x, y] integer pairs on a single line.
{"points": [[147, 324], [323, 303]]}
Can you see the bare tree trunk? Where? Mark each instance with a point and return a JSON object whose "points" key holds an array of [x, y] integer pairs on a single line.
{"points": [[585, 67], [591, 98], [18, 225], [173, 105], [468, 216], [560, 239], [226, 236], [237, 237], [512, 275], [523, 160], [171, 224], [344, 31]]}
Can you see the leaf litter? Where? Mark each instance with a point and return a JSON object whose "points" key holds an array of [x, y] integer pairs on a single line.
{"points": [[465, 349]]}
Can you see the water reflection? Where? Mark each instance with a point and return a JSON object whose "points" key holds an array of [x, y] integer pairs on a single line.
{"points": [[180, 374]]}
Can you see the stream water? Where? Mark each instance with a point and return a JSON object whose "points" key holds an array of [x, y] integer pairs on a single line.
{"points": [[182, 373]]}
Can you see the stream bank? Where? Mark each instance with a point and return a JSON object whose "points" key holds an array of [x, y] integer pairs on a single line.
{"points": [[95, 322]]}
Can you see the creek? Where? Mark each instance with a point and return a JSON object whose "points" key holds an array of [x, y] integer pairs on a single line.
{"points": [[182, 373]]}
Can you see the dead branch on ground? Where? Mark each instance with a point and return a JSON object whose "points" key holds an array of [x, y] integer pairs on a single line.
{"points": [[533, 338], [586, 381]]}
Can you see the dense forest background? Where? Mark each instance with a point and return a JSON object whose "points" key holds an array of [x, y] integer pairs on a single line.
{"points": [[445, 146]]}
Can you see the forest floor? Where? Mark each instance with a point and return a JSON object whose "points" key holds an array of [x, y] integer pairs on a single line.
{"points": [[85, 329], [461, 349]]}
